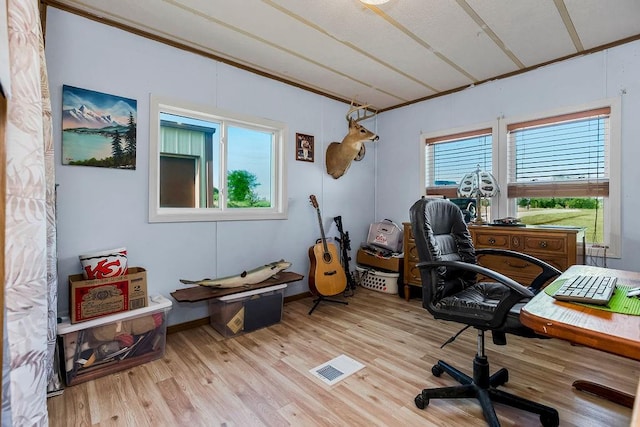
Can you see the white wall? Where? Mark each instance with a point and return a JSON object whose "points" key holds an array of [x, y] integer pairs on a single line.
{"points": [[608, 74], [103, 208]]}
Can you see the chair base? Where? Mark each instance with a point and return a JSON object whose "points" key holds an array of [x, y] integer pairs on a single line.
{"points": [[483, 388]]}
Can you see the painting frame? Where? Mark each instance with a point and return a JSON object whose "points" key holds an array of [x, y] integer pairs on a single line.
{"points": [[305, 147], [98, 129]]}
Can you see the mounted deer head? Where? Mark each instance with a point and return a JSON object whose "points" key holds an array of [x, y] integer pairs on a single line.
{"points": [[341, 154]]}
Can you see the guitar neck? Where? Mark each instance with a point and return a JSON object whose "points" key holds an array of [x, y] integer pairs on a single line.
{"points": [[324, 239]]}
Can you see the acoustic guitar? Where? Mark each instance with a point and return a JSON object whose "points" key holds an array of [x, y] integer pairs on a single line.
{"points": [[326, 275]]}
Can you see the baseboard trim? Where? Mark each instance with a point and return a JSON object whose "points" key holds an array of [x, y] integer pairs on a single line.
{"points": [[205, 320], [187, 325], [297, 297]]}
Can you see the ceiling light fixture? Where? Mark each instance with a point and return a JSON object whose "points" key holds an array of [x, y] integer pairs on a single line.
{"points": [[374, 1]]}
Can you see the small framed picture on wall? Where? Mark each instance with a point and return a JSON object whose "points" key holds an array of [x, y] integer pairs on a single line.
{"points": [[304, 147]]}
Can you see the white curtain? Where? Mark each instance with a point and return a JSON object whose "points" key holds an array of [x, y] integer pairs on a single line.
{"points": [[30, 254]]}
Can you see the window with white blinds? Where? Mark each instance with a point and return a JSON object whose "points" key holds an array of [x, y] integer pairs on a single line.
{"points": [[559, 168], [449, 157], [561, 156], [559, 172]]}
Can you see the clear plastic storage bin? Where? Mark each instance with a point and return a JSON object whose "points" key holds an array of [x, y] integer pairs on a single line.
{"points": [[113, 343], [234, 314]]}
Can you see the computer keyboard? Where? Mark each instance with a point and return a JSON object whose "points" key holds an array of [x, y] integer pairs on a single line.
{"points": [[587, 289]]}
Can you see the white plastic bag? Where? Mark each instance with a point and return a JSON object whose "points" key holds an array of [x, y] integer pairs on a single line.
{"points": [[385, 234]]}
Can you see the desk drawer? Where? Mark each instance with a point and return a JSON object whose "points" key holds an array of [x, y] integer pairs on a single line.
{"points": [[554, 247], [560, 262], [544, 244], [519, 270], [492, 240]]}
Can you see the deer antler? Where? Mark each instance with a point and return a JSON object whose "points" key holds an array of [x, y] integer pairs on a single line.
{"points": [[360, 109]]}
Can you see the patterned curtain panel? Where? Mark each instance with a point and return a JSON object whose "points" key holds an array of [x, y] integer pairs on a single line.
{"points": [[30, 255]]}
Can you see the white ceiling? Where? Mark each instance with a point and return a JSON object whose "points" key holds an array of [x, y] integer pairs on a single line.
{"points": [[388, 55]]}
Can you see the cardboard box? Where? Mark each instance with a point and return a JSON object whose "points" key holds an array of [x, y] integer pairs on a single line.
{"points": [[235, 314], [90, 299], [113, 343]]}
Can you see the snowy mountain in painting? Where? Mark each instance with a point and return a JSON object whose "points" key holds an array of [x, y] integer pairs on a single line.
{"points": [[85, 117]]}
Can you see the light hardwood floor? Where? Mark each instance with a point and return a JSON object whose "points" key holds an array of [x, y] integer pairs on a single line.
{"points": [[262, 378]]}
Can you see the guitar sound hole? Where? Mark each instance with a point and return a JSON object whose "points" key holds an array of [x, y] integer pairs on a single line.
{"points": [[326, 257]]}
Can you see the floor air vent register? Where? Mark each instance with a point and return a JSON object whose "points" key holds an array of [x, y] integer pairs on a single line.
{"points": [[336, 369]]}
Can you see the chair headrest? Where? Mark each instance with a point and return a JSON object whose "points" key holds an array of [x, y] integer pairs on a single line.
{"points": [[431, 218], [441, 215]]}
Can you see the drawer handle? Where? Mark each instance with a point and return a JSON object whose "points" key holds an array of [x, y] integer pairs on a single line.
{"points": [[525, 265], [492, 241], [543, 244]]}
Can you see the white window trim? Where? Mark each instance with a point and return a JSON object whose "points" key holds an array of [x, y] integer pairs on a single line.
{"points": [[279, 207], [612, 211]]}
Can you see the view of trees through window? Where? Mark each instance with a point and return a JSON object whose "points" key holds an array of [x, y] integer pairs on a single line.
{"points": [[249, 172], [573, 212], [248, 162], [242, 186]]}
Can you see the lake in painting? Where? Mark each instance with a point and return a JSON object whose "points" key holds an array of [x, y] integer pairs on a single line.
{"points": [[81, 146]]}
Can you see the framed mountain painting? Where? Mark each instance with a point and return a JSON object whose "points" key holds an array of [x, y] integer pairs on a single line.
{"points": [[98, 129]]}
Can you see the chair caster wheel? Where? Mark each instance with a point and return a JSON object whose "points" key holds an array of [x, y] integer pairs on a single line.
{"points": [[437, 370], [550, 420], [421, 402]]}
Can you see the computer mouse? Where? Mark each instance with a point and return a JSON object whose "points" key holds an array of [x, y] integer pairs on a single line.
{"points": [[634, 292]]}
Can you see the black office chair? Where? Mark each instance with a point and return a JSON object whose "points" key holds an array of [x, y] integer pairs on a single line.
{"points": [[448, 271]]}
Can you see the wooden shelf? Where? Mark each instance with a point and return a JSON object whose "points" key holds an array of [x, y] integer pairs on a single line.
{"points": [[202, 293]]}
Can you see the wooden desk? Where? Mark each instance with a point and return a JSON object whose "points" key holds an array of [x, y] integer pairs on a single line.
{"points": [[611, 332], [559, 246]]}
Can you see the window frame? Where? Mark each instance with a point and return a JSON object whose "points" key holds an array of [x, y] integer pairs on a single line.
{"points": [[612, 212], [501, 205], [278, 209], [451, 191]]}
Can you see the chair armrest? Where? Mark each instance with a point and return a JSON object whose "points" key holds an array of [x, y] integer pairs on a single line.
{"points": [[518, 292], [498, 277], [548, 271]]}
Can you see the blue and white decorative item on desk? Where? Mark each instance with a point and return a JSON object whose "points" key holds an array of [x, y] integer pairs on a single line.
{"points": [[478, 184]]}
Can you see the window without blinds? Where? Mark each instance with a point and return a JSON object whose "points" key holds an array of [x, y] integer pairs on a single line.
{"points": [[450, 157], [564, 156]]}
